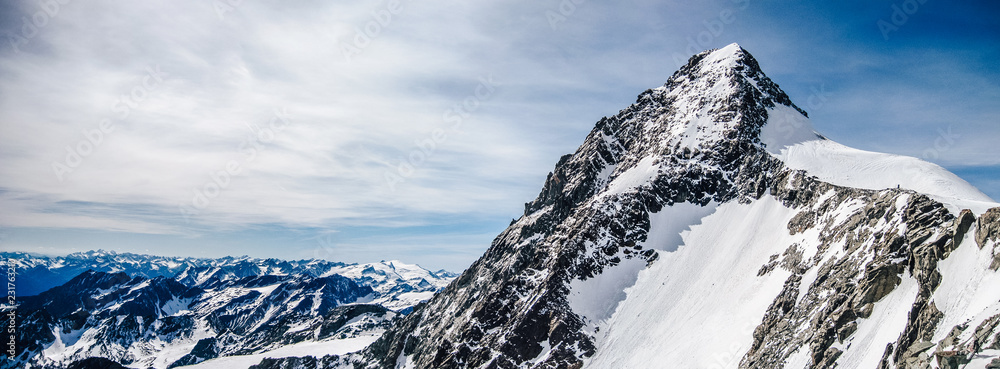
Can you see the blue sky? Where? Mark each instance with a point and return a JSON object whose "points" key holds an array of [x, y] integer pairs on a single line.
{"points": [[416, 130]]}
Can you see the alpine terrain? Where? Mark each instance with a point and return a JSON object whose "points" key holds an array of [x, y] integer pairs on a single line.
{"points": [[708, 226], [157, 312]]}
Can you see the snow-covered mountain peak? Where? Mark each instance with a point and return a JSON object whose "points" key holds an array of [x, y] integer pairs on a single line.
{"points": [[706, 215], [705, 123], [729, 56], [710, 96]]}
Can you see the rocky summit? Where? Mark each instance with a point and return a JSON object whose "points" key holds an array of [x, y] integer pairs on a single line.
{"points": [[708, 225]]}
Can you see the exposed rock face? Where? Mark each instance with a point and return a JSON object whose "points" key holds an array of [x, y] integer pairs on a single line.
{"points": [[308, 362], [860, 261], [698, 140], [988, 230], [995, 364], [95, 363]]}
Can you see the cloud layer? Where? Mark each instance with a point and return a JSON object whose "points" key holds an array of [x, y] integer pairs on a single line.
{"points": [[202, 123]]}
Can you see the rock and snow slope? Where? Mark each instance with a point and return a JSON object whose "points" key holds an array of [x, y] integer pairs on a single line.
{"points": [[206, 309], [398, 285], [708, 225]]}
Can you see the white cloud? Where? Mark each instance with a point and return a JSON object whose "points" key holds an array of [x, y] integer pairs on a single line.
{"points": [[351, 121]]}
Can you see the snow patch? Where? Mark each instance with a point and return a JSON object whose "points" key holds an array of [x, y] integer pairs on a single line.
{"points": [[642, 173], [319, 349], [711, 276], [841, 165], [596, 298], [786, 127], [968, 287], [888, 318], [666, 227]]}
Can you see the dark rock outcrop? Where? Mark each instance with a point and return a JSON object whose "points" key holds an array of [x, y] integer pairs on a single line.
{"points": [[95, 363]]}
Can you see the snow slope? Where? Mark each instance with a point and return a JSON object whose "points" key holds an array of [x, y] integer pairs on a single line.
{"points": [[790, 137], [681, 311], [333, 347], [397, 285], [596, 298]]}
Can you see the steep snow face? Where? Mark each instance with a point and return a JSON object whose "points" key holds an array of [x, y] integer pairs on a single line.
{"points": [[786, 127], [699, 305], [809, 279], [595, 299], [968, 290]]}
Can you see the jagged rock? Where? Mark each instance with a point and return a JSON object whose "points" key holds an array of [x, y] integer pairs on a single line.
{"points": [[951, 359], [206, 348], [962, 225], [923, 320], [916, 355], [994, 364], [801, 222], [95, 363], [308, 362], [987, 333], [988, 227]]}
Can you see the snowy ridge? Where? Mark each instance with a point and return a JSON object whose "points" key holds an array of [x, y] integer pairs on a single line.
{"points": [[397, 285], [789, 136]]}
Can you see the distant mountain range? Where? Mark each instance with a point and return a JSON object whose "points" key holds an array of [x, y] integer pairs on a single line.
{"points": [[398, 285], [154, 311]]}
